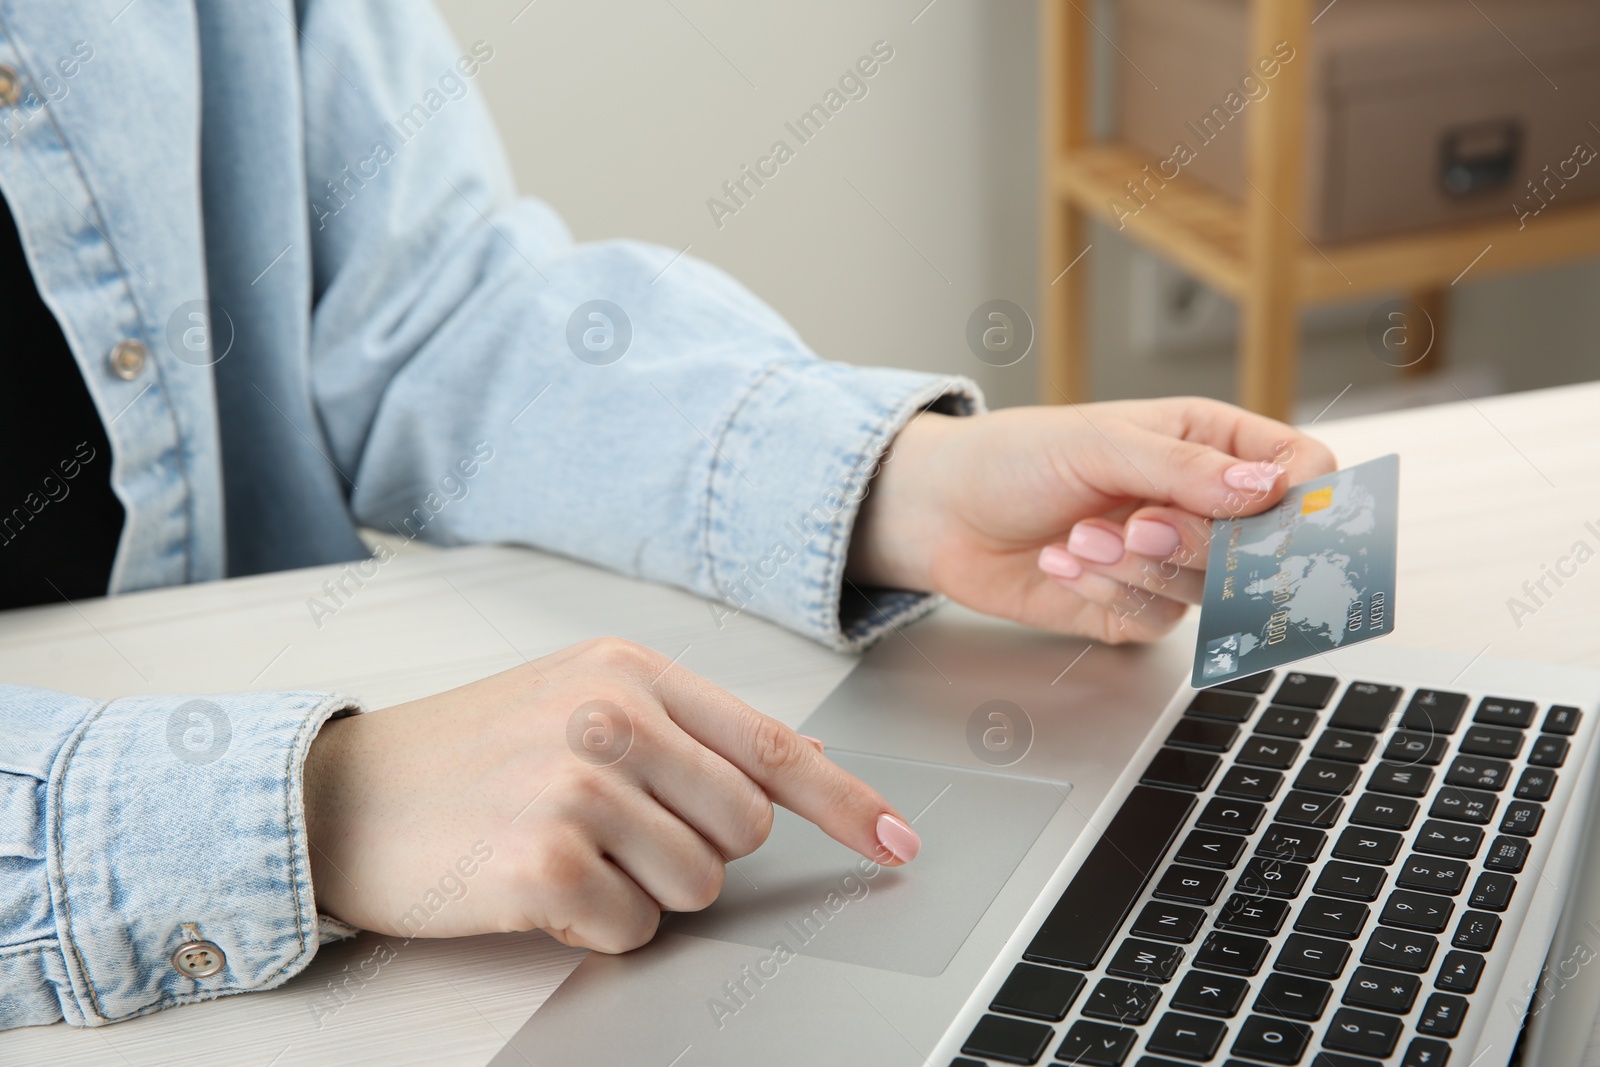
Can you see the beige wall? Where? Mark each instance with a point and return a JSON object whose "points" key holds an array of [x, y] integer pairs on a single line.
{"points": [[914, 205], [624, 117]]}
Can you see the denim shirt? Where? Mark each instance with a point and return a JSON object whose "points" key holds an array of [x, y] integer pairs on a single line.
{"points": [[285, 249]]}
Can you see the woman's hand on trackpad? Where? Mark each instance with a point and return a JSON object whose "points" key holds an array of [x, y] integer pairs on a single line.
{"points": [[584, 794]]}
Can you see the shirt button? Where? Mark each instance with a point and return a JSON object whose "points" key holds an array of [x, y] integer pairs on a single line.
{"points": [[10, 86], [128, 359], [198, 959]]}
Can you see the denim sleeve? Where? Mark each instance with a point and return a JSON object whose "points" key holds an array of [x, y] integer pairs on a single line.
{"points": [[123, 823], [482, 377]]}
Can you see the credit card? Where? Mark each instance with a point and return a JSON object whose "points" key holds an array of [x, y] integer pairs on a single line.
{"points": [[1311, 575]]}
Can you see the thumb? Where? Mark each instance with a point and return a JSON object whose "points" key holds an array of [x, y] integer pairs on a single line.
{"points": [[1127, 461]]}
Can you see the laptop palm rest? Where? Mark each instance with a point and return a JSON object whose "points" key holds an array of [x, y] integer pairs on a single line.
{"points": [[804, 894]]}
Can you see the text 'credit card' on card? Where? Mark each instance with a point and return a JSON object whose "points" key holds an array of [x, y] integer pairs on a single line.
{"points": [[1311, 575]]}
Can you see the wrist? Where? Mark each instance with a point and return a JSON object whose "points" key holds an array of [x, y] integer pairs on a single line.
{"points": [[892, 543], [321, 790]]}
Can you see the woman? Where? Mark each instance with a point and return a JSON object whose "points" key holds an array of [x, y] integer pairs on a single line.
{"points": [[278, 287]]}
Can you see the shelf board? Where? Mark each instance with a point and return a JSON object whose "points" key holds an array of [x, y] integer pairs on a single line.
{"points": [[1204, 232]]}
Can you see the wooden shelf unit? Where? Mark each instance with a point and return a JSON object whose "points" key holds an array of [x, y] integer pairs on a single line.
{"points": [[1253, 252]]}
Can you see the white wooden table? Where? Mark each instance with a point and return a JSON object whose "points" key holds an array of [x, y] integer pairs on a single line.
{"points": [[1491, 492]]}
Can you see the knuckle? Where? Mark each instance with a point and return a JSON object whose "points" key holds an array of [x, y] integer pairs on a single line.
{"points": [[562, 866], [619, 654], [1191, 456], [582, 791], [628, 933], [703, 889], [752, 831], [774, 747]]}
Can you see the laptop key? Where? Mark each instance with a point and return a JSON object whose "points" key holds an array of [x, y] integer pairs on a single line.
{"points": [[1460, 971], [1222, 706], [1121, 1002], [1305, 690], [1387, 813], [1148, 961], [1314, 957], [1038, 992], [1440, 838], [1400, 780], [1522, 818], [1290, 996], [1426, 1052], [1249, 683], [1562, 719], [1333, 918], [1296, 843], [1008, 1040], [1368, 846], [1499, 711], [1247, 783], [1202, 735], [1335, 1059], [1363, 1033], [1232, 953], [1433, 874], [1169, 922], [1408, 747], [1269, 1040], [1325, 776], [1231, 816], [1287, 722], [1189, 1036], [1211, 994], [1476, 931], [1246, 914], [1478, 772], [1354, 881], [1417, 911], [1344, 745], [1401, 949], [1271, 877], [1464, 805], [1272, 752], [1434, 711], [1496, 741], [1381, 990], [1211, 849], [1080, 927], [1096, 1044], [1536, 783], [1176, 768], [1508, 854], [1549, 751], [1310, 809], [1442, 1015], [1492, 891], [1189, 885], [1366, 706]]}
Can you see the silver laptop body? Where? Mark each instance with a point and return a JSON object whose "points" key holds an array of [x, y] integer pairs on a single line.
{"points": [[1013, 751]]}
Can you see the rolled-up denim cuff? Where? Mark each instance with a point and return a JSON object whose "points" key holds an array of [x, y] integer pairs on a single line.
{"points": [[791, 469], [171, 819]]}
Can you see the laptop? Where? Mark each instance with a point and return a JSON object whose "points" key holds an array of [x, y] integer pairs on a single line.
{"points": [[1358, 858]]}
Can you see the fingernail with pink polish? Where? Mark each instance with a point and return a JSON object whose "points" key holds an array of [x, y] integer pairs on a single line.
{"points": [[1095, 544], [816, 742], [1148, 537], [1252, 477], [899, 838], [1058, 562]]}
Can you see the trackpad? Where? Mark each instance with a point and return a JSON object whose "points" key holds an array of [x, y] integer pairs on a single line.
{"points": [[804, 893]]}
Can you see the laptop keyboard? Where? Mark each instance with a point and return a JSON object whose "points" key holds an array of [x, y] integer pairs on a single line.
{"points": [[1305, 873]]}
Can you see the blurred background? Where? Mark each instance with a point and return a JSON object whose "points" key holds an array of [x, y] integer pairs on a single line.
{"points": [[922, 200]]}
